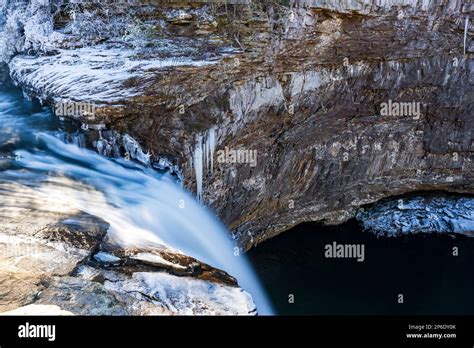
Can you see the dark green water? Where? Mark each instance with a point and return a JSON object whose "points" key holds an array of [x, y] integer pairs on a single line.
{"points": [[421, 267]]}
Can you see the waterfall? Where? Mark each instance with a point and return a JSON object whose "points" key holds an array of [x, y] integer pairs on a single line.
{"points": [[142, 206]]}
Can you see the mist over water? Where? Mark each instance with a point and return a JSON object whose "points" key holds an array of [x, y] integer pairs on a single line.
{"points": [[144, 208]]}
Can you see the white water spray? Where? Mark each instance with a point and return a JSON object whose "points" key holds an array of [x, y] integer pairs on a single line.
{"points": [[142, 208]]}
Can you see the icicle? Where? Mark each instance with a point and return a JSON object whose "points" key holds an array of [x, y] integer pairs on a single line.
{"points": [[212, 146], [466, 26], [207, 153], [26, 96], [203, 156], [204, 153], [100, 147], [198, 165], [134, 150]]}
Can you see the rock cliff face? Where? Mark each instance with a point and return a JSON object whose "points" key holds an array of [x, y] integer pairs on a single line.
{"points": [[344, 102]]}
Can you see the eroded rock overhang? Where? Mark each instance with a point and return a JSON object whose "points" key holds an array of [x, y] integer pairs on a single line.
{"points": [[304, 87]]}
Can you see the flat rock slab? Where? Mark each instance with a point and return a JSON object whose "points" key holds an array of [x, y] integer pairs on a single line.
{"points": [[84, 297], [17, 290], [38, 241]]}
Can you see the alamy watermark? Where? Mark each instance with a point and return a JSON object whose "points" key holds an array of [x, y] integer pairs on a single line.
{"points": [[354, 251], [37, 331], [393, 108], [75, 109], [241, 156]]}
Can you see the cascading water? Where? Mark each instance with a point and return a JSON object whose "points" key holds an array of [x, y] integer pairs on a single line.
{"points": [[143, 207]]}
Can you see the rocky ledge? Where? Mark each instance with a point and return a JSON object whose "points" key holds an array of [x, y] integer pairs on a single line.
{"points": [[58, 261], [344, 102], [432, 213]]}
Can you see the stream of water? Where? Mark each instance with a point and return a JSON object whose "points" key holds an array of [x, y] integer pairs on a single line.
{"points": [[143, 207]]}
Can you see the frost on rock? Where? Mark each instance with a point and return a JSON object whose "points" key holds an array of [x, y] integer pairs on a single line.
{"points": [[25, 26], [100, 73], [104, 55], [187, 296], [370, 6], [111, 144], [420, 215]]}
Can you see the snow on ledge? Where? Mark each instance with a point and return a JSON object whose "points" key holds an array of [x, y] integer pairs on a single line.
{"points": [[98, 73], [187, 296]]}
